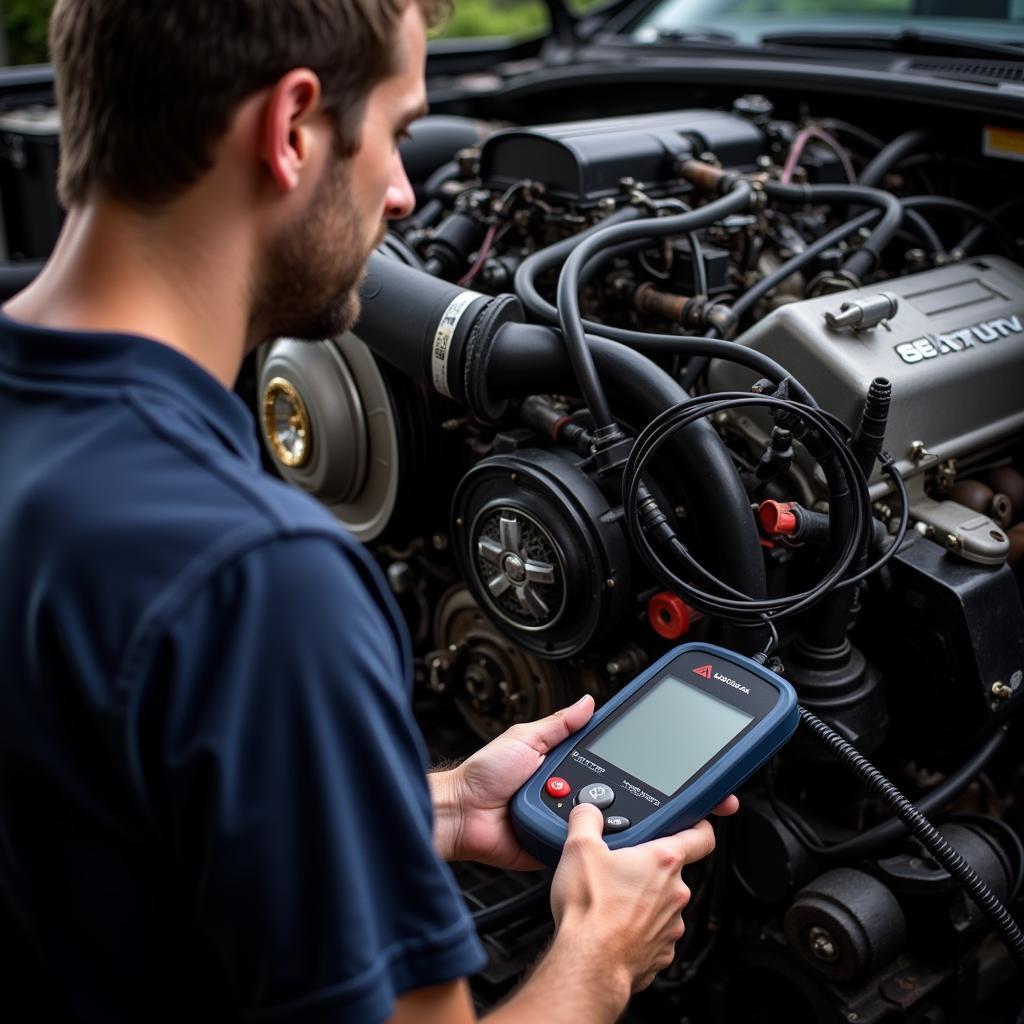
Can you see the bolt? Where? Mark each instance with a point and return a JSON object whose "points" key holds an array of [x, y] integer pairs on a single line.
{"points": [[853, 1016], [440, 541], [907, 983], [460, 521], [918, 450], [610, 583], [1001, 691], [822, 944], [953, 542]]}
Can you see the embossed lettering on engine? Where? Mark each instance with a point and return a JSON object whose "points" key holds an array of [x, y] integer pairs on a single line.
{"points": [[959, 341]]}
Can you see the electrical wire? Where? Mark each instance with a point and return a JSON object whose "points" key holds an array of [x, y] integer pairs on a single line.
{"points": [[481, 259], [924, 831], [644, 516], [800, 144], [838, 127]]}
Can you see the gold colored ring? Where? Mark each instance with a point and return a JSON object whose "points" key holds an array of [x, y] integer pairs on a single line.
{"points": [[294, 451]]}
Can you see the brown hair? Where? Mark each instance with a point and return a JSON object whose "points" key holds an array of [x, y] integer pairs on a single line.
{"points": [[145, 88]]}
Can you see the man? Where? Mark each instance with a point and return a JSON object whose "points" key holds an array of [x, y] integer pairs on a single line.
{"points": [[212, 792]]}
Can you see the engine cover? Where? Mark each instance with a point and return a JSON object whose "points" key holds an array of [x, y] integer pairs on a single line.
{"points": [[954, 352], [584, 161]]}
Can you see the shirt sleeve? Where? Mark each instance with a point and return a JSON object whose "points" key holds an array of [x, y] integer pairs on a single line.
{"points": [[287, 775]]}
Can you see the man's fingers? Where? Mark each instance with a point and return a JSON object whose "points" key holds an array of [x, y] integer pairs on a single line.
{"points": [[730, 805], [693, 844], [585, 822], [547, 733]]}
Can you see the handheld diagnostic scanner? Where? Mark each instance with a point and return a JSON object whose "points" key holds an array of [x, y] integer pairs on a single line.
{"points": [[662, 753]]}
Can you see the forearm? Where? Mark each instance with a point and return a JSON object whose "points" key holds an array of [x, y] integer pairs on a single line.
{"points": [[445, 796], [573, 982]]}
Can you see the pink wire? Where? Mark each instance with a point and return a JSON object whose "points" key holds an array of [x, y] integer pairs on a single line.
{"points": [[481, 256], [800, 143]]}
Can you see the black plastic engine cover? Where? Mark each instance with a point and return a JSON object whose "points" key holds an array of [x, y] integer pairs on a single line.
{"points": [[582, 162]]}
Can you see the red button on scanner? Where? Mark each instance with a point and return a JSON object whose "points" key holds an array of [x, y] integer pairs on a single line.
{"points": [[557, 787]]}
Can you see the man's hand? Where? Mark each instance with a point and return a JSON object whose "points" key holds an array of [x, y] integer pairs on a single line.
{"points": [[627, 902], [471, 801]]}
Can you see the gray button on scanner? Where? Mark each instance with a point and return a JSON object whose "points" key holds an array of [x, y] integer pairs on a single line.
{"points": [[598, 794], [616, 823]]}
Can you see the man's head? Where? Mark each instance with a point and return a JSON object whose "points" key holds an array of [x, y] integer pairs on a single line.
{"points": [[310, 95]]}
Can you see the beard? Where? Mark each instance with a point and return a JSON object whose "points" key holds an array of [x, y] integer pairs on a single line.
{"points": [[309, 286]]}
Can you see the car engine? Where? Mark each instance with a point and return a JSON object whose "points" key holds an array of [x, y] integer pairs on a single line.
{"points": [[722, 259]]}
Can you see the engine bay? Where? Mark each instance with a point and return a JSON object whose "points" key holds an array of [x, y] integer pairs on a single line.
{"points": [[549, 533]]}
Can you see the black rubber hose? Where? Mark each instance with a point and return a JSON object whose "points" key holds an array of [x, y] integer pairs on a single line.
{"points": [[925, 832], [867, 256], [567, 301], [971, 239], [433, 139], [752, 295], [892, 154], [661, 345], [528, 358], [446, 172], [968, 210], [923, 229], [865, 843], [698, 364], [524, 282]]}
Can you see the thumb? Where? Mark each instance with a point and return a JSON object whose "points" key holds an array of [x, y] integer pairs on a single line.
{"points": [[585, 822], [546, 734]]}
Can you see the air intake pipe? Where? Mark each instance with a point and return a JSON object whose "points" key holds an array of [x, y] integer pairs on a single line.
{"points": [[431, 330]]}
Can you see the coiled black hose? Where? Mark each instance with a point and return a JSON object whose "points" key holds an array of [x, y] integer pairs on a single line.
{"points": [[849, 503], [929, 836]]}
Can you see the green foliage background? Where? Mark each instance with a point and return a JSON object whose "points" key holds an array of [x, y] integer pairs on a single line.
{"points": [[26, 23]]}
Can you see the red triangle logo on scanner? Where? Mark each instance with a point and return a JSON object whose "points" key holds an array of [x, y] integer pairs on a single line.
{"points": [[704, 670]]}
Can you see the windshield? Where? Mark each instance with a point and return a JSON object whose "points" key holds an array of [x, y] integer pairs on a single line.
{"points": [[749, 20]]}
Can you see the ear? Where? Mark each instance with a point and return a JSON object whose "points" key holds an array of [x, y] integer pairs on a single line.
{"points": [[286, 136]]}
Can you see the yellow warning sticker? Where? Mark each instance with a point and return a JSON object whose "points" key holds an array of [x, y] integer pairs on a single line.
{"points": [[1004, 142]]}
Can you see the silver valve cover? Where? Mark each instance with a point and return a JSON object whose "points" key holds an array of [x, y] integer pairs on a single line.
{"points": [[953, 350]]}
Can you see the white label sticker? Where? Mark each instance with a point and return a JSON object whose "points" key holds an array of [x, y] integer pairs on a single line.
{"points": [[443, 339]]}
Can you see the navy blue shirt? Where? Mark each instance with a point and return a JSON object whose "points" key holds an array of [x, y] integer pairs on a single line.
{"points": [[212, 792]]}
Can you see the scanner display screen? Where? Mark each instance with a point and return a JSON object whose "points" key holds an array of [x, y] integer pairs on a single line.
{"points": [[669, 734]]}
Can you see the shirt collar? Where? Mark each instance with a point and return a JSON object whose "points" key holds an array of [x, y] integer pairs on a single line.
{"points": [[107, 358]]}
